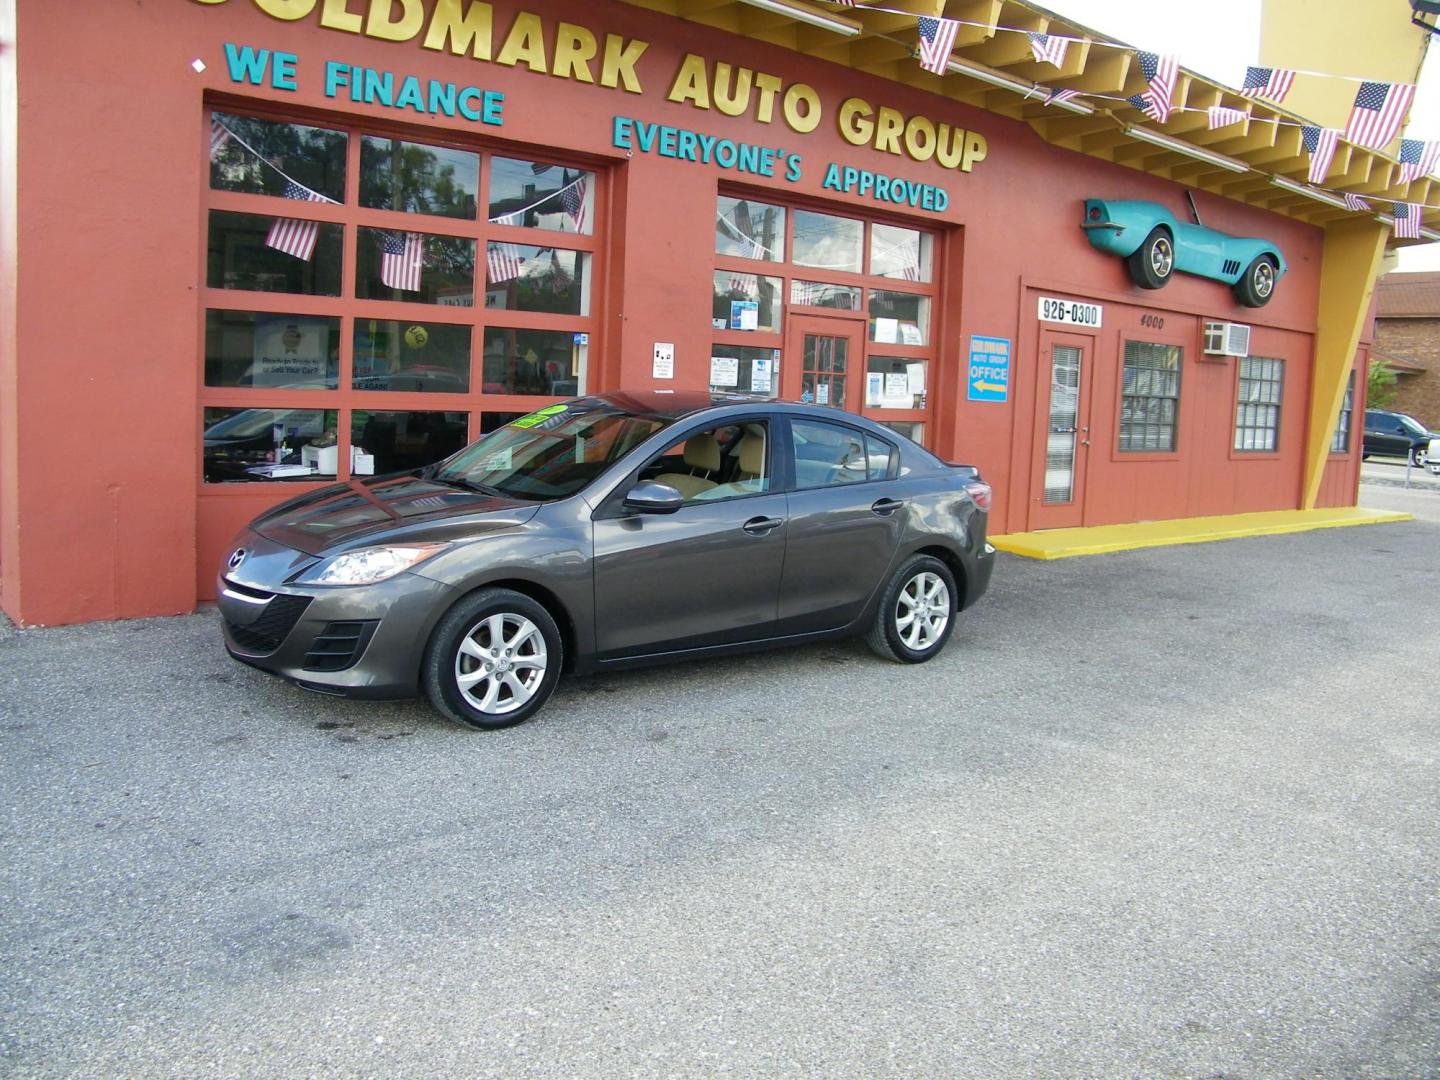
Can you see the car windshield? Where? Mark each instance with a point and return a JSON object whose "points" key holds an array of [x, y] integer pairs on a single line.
{"points": [[552, 453]]}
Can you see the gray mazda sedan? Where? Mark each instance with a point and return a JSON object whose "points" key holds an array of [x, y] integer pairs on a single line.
{"points": [[605, 532]]}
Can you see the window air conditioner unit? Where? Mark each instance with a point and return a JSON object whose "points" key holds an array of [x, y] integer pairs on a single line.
{"points": [[1227, 339]]}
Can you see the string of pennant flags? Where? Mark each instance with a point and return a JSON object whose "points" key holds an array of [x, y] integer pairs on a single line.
{"points": [[1374, 121], [402, 254]]}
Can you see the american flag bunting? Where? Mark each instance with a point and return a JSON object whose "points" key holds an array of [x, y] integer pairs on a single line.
{"points": [[1270, 83], [401, 256], [1219, 116], [747, 285], [1060, 95], [1147, 105], [1417, 158], [573, 200], [503, 262], [1160, 72], [937, 38], [1049, 50], [1407, 220], [291, 235], [219, 136], [1355, 202], [1378, 111], [1320, 144]]}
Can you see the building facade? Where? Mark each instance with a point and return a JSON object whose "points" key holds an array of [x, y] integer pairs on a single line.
{"points": [[256, 246], [1407, 338]]}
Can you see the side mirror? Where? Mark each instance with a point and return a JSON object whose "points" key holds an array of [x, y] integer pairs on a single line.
{"points": [[652, 497]]}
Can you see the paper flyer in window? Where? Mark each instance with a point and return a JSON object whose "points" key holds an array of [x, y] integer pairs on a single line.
{"points": [[724, 371], [887, 331], [874, 388]]}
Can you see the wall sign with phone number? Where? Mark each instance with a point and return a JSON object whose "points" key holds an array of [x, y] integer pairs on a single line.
{"points": [[1070, 312]]}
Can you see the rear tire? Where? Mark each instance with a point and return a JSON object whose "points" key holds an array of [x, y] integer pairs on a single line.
{"points": [[493, 660], [917, 612], [1257, 285], [1419, 456]]}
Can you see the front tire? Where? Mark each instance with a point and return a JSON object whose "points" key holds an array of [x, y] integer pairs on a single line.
{"points": [[1257, 284], [1419, 456], [493, 660], [1153, 262], [917, 612]]}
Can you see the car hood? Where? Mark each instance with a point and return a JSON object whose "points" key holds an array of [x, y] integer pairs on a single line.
{"points": [[394, 509]]}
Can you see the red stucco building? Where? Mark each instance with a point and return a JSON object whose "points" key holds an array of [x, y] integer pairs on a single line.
{"points": [[253, 245]]}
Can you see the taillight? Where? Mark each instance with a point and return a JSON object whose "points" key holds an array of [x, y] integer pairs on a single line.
{"points": [[980, 492], [1094, 213]]}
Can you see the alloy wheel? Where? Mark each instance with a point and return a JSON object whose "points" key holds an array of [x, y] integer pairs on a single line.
{"points": [[1264, 279], [1162, 257], [922, 611], [501, 663]]}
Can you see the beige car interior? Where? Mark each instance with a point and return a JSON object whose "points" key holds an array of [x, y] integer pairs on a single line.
{"points": [[721, 464]]}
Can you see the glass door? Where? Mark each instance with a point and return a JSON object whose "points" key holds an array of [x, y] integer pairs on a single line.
{"points": [[1062, 432], [824, 362]]}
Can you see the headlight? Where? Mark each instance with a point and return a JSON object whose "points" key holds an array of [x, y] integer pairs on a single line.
{"points": [[366, 566]]}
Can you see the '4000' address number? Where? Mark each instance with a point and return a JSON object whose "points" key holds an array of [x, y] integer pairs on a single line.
{"points": [[1071, 312]]}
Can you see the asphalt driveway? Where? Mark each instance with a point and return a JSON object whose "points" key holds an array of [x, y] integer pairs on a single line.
{"points": [[1171, 813]]}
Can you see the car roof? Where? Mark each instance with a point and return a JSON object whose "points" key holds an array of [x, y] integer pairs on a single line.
{"points": [[679, 404]]}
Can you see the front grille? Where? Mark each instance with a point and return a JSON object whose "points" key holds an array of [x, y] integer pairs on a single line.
{"points": [[338, 646], [265, 634]]}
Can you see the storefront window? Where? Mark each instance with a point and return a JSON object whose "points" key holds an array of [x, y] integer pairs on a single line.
{"points": [[898, 318], [747, 229], [259, 253], [745, 302], [522, 277], [821, 294], [912, 430], [895, 382], [250, 445], [264, 157], [899, 253], [1150, 401], [537, 195], [489, 421], [549, 362], [418, 179], [392, 264], [411, 357], [738, 369], [386, 442], [1257, 408], [829, 242], [267, 349], [1340, 440]]}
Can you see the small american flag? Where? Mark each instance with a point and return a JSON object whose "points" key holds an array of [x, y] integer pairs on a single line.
{"points": [[1160, 72], [1060, 95], [1049, 50], [1264, 82], [401, 256], [503, 262], [1147, 105], [517, 218], [937, 38], [1320, 144], [290, 235], [1219, 116], [911, 273], [538, 167], [1407, 220], [1355, 202], [219, 136], [803, 292], [1377, 113], [1417, 158], [573, 200], [747, 285]]}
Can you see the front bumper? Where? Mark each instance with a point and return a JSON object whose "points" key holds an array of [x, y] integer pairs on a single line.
{"points": [[356, 641]]}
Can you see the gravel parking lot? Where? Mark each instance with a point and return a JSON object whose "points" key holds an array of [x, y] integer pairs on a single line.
{"points": [[1171, 813]]}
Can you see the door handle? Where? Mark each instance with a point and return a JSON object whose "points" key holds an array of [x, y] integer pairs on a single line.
{"points": [[885, 507], [762, 526]]}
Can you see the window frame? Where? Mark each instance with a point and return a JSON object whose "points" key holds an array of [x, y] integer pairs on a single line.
{"points": [[1249, 454], [1117, 453], [793, 485], [790, 271], [349, 308], [1347, 413]]}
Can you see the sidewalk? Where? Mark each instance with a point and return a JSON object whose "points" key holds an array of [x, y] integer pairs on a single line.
{"points": [[1392, 474]]}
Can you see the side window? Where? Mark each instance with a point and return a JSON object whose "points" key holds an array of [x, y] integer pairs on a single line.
{"points": [[828, 454], [718, 463]]}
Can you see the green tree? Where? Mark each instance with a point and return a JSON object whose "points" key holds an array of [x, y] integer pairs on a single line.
{"points": [[1380, 391]]}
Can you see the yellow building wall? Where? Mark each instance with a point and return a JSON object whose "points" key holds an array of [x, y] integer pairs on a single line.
{"points": [[1372, 39]]}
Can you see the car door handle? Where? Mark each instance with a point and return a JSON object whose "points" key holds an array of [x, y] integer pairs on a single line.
{"points": [[884, 507], [762, 526]]}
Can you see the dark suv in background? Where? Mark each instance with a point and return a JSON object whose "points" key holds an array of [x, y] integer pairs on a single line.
{"points": [[1392, 434]]}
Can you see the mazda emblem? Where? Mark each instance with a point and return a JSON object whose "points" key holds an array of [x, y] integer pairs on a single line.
{"points": [[237, 558]]}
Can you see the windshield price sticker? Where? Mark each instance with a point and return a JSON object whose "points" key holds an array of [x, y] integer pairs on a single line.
{"points": [[1071, 312]]}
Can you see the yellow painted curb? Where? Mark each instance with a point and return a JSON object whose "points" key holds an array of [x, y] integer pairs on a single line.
{"points": [[1103, 539]]}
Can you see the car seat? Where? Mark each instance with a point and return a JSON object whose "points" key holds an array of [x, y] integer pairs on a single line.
{"points": [[702, 454], [750, 471]]}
